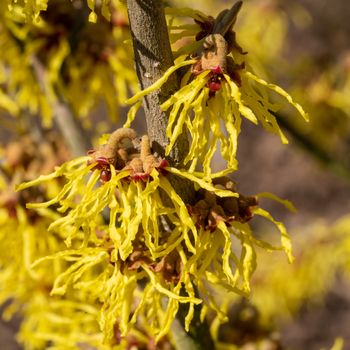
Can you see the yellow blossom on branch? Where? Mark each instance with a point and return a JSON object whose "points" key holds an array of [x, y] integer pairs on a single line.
{"points": [[123, 223], [214, 96]]}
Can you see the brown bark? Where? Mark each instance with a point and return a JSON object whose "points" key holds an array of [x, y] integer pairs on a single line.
{"points": [[153, 57]]}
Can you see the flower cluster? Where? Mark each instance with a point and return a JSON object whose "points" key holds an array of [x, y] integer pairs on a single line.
{"points": [[123, 248], [126, 227], [30, 10], [218, 90], [52, 59]]}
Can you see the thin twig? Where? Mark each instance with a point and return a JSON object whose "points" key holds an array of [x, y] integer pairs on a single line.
{"points": [[71, 129]]}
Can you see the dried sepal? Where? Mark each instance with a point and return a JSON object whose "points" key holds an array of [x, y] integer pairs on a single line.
{"points": [[210, 209]]}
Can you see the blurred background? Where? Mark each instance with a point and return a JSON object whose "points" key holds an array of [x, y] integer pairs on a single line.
{"points": [[301, 45]]}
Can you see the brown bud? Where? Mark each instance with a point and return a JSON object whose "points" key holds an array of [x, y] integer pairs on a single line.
{"points": [[149, 163], [145, 147], [215, 52], [135, 165]]}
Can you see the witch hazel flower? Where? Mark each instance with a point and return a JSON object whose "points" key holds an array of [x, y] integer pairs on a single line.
{"points": [[216, 92], [119, 230]]}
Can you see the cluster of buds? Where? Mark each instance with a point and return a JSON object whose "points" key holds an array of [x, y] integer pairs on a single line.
{"points": [[217, 45], [126, 151], [209, 25], [210, 209], [25, 159], [214, 57]]}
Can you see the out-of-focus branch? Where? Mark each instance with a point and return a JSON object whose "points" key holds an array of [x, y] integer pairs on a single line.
{"points": [[336, 165], [72, 131]]}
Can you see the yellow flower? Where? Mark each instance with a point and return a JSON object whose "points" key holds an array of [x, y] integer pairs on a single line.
{"points": [[47, 61], [214, 96], [132, 229]]}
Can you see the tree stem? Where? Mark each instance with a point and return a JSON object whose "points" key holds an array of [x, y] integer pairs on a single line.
{"points": [[153, 57]]}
